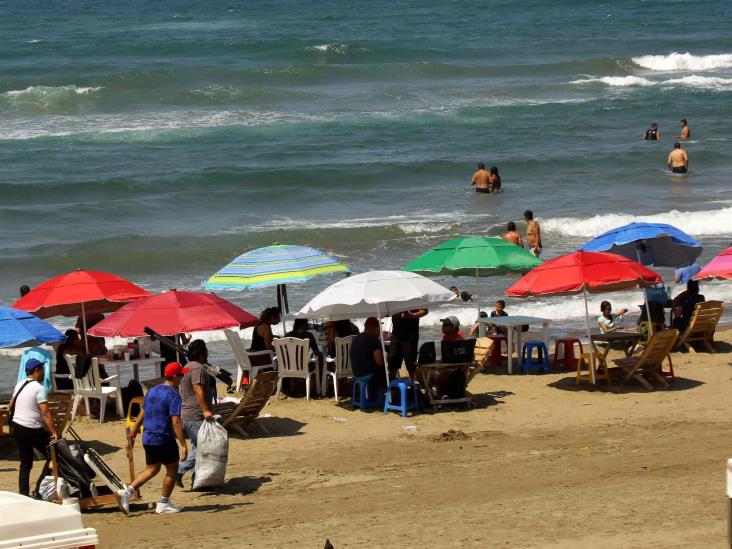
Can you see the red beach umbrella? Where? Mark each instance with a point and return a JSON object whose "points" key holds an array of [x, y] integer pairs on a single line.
{"points": [[583, 272], [173, 312], [79, 292], [719, 267]]}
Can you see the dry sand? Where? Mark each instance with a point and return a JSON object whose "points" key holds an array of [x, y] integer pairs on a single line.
{"points": [[543, 464]]}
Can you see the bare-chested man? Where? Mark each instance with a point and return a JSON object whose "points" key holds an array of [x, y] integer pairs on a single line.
{"points": [[482, 180], [512, 235], [533, 234], [678, 160], [685, 130]]}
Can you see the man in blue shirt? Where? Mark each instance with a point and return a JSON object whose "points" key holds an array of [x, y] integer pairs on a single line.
{"points": [[160, 416], [682, 275]]}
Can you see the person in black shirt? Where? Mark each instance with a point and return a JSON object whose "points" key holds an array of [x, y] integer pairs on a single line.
{"points": [[652, 133], [367, 357], [300, 330], [405, 340]]}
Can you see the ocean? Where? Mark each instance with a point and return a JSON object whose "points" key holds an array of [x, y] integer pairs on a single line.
{"points": [[160, 140]]}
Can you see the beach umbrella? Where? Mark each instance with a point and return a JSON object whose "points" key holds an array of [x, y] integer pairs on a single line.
{"points": [[720, 267], [656, 244], [474, 256], [20, 328], [80, 292], [583, 272], [376, 293], [173, 312], [275, 265]]}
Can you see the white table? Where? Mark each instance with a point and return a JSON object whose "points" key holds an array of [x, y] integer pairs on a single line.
{"points": [[135, 363], [512, 322]]}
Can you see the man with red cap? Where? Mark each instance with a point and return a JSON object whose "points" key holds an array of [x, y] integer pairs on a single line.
{"points": [[160, 416]]}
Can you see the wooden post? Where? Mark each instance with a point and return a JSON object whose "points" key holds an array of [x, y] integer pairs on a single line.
{"points": [[729, 497]]}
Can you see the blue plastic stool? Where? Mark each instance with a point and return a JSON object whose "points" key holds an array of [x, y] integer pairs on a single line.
{"points": [[528, 364], [360, 398], [406, 387]]}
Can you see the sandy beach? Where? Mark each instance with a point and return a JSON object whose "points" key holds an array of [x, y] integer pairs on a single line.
{"points": [[541, 463]]}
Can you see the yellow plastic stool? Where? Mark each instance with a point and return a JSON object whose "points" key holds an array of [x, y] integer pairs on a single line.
{"points": [[137, 401]]}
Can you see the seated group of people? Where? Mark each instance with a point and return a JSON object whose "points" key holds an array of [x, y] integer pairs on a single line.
{"points": [[74, 344]]}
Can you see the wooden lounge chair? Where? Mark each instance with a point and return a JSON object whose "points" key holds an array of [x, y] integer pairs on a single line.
{"points": [[649, 362], [237, 417], [481, 355], [701, 326], [59, 404]]}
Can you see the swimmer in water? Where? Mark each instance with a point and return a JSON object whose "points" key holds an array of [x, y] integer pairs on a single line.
{"points": [[652, 133], [481, 180], [512, 235], [678, 160], [495, 180], [685, 130]]}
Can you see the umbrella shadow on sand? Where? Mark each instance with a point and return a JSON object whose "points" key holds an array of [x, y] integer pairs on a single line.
{"points": [[570, 384]]}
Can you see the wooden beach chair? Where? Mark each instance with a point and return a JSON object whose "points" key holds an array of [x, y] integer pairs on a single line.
{"points": [[701, 326], [237, 417], [481, 355], [59, 404], [649, 363]]}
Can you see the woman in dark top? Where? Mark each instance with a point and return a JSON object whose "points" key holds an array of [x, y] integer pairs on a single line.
{"points": [[339, 328], [70, 346], [495, 180], [262, 335]]}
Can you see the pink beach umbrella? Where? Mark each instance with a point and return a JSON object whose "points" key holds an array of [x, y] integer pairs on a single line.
{"points": [[720, 267]]}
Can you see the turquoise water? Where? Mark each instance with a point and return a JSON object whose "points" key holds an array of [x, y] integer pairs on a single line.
{"points": [[159, 140]]}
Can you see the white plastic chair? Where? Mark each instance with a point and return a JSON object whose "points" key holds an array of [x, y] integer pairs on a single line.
{"points": [[90, 386], [54, 385], [342, 362], [293, 358], [243, 362]]}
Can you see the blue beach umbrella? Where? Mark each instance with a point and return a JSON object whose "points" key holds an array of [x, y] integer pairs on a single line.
{"points": [[656, 244], [23, 329]]}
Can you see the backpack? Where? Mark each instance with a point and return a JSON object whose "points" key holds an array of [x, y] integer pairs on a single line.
{"points": [[427, 353]]}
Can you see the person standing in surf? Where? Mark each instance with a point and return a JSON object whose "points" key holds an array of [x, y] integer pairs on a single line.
{"points": [[678, 160], [533, 233], [481, 180], [652, 133], [685, 130], [495, 180]]}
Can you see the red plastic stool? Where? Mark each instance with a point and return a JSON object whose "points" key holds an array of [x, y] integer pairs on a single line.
{"points": [[495, 357], [670, 371], [568, 359]]}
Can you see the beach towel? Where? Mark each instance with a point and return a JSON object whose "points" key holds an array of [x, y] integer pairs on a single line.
{"points": [[44, 356]]}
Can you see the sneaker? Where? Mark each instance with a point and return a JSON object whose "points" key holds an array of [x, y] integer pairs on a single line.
{"points": [[124, 501], [163, 508]]}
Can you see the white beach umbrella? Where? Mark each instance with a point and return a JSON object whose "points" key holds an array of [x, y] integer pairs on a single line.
{"points": [[376, 293]]}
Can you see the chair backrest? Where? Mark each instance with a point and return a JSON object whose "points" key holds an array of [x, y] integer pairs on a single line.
{"points": [[482, 350], [658, 348], [343, 356], [292, 354], [704, 320], [71, 361], [59, 404], [237, 346]]}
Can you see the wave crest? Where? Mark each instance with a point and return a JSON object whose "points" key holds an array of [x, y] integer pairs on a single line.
{"points": [[337, 48], [621, 81], [712, 222], [713, 83], [684, 62], [48, 98]]}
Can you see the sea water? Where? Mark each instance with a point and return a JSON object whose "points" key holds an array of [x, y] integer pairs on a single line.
{"points": [[160, 140]]}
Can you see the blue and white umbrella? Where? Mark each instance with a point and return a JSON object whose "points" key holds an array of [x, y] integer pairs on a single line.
{"points": [[23, 329], [656, 244]]}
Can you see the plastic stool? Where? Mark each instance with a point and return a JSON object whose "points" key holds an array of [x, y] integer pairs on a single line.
{"points": [[568, 359], [360, 397], [136, 401], [495, 357], [670, 371], [406, 387], [527, 360]]}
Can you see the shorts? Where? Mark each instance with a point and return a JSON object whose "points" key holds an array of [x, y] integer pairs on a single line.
{"points": [[678, 169], [481, 190], [165, 454], [402, 351]]}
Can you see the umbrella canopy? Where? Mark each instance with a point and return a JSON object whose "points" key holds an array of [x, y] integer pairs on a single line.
{"points": [[474, 256], [720, 267], [376, 293], [273, 265], [22, 329], [648, 243], [594, 272], [79, 292], [174, 312]]}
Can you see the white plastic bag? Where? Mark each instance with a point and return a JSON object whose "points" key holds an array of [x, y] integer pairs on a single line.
{"points": [[212, 452], [47, 489]]}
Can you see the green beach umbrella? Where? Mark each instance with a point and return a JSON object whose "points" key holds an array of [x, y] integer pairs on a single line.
{"points": [[474, 256]]}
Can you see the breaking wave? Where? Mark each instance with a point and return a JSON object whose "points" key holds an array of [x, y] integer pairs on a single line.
{"points": [[684, 62]]}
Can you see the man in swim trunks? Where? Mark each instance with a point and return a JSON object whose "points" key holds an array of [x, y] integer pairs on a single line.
{"points": [[512, 235], [685, 131], [652, 133], [678, 160], [533, 234], [482, 180]]}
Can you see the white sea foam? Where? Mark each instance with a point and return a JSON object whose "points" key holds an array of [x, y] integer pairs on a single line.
{"points": [[337, 48], [703, 82], [46, 91], [684, 62], [615, 81], [712, 222]]}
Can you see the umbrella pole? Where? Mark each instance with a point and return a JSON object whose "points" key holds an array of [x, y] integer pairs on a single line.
{"points": [[645, 300], [589, 337], [383, 346], [282, 306], [481, 327], [83, 326]]}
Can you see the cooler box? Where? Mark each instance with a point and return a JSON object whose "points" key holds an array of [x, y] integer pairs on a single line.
{"points": [[33, 524]]}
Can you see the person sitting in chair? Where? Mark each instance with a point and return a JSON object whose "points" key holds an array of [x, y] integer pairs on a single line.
{"points": [[451, 329], [684, 305], [367, 355], [608, 321]]}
